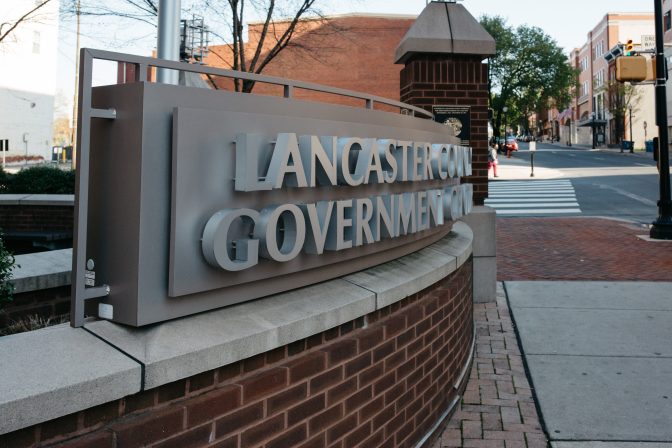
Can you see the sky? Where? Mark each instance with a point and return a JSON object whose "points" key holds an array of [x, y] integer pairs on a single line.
{"points": [[568, 22]]}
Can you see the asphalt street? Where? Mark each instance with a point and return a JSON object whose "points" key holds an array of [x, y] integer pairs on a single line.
{"points": [[605, 182]]}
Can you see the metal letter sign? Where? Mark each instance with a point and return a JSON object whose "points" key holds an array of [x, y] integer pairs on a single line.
{"points": [[200, 199]]}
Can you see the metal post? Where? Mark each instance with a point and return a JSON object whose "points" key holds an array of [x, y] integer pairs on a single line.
{"points": [[73, 133], [632, 140], [532, 164], [168, 42], [594, 130], [662, 227]]}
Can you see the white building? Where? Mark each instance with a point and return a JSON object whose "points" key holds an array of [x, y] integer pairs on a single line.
{"points": [[28, 77]]}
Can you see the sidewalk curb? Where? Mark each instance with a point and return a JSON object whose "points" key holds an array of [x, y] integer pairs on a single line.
{"points": [[528, 374]]}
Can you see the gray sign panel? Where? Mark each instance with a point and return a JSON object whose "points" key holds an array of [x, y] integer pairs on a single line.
{"points": [[165, 169]]}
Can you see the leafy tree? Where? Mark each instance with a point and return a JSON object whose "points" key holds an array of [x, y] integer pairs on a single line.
{"points": [[622, 97], [282, 20], [528, 73], [7, 28]]}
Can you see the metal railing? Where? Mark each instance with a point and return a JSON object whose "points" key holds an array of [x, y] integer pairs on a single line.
{"points": [[81, 292], [143, 65]]}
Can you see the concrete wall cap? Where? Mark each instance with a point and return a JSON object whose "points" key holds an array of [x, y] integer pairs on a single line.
{"points": [[12, 199], [445, 28], [59, 370], [173, 350], [37, 199], [42, 270], [401, 278]]}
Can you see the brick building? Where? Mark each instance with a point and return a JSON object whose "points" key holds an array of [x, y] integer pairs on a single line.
{"points": [[591, 107], [351, 51]]}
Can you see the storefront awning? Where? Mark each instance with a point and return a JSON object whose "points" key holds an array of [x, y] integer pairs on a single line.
{"points": [[587, 122]]}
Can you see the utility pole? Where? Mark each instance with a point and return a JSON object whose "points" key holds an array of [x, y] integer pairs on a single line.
{"points": [[662, 227], [168, 42]]}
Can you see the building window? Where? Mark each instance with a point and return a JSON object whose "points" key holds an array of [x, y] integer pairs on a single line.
{"points": [[584, 64], [36, 42], [667, 20], [598, 79]]}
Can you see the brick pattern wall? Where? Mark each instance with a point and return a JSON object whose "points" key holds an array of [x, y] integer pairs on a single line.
{"points": [[36, 218], [379, 381], [429, 80], [349, 52], [45, 303]]}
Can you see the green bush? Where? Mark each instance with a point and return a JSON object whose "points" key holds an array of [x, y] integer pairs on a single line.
{"points": [[6, 264], [4, 181], [39, 180]]}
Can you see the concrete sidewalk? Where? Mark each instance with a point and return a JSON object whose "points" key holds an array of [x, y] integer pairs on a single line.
{"points": [[600, 358]]}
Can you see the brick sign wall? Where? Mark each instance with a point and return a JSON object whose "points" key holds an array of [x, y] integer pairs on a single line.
{"points": [[36, 218], [381, 380], [438, 80]]}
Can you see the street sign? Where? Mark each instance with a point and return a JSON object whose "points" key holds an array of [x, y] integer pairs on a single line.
{"points": [[648, 42], [533, 146]]}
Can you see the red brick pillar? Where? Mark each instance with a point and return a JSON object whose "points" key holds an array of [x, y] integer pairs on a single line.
{"points": [[429, 80]]}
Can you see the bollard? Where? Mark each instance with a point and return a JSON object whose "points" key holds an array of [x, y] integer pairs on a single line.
{"points": [[533, 150]]}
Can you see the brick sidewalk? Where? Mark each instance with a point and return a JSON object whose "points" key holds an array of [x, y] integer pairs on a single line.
{"points": [[497, 409], [578, 249]]}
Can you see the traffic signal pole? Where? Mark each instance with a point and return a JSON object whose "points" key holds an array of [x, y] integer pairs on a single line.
{"points": [[662, 227]]}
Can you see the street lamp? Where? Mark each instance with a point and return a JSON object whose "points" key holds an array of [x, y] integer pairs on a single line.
{"points": [[632, 140], [505, 110]]}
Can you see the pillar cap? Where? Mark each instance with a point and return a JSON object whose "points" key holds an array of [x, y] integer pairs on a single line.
{"points": [[445, 28]]}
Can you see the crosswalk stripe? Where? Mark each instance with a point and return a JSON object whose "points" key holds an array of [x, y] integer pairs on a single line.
{"points": [[519, 200], [541, 204], [530, 182], [533, 197], [530, 211], [516, 190]]}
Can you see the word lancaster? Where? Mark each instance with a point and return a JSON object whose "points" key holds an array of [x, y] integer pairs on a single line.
{"points": [[235, 239], [311, 161]]}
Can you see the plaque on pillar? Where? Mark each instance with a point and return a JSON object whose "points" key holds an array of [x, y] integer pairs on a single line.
{"points": [[458, 117]]}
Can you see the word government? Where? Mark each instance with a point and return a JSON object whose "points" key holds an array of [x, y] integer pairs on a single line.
{"points": [[234, 239]]}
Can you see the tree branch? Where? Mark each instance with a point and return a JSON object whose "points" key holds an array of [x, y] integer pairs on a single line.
{"points": [[21, 19]]}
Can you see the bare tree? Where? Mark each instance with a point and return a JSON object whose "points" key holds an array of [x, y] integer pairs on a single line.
{"points": [[7, 28], [278, 35], [282, 19]]}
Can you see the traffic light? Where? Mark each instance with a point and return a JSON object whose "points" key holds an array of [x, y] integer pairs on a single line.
{"points": [[633, 69], [629, 48]]}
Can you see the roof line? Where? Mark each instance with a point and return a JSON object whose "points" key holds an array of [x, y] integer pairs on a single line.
{"points": [[348, 15]]}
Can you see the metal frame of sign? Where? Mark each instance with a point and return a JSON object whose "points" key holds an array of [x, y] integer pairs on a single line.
{"points": [[156, 161]]}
